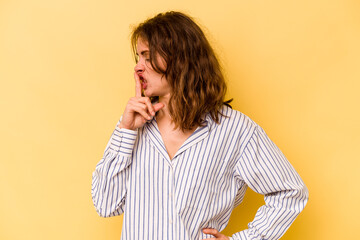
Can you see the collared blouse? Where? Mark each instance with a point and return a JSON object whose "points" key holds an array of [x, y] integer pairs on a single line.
{"points": [[174, 199]]}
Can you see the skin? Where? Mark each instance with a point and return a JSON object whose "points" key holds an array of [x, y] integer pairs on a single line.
{"points": [[215, 233], [139, 109]]}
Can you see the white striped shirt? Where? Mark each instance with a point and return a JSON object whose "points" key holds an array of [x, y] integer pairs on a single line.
{"points": [[174, 199]]}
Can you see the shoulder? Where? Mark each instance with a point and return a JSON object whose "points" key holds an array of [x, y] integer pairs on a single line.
{"points": [[233, 125], [234, 130], [228, 115]]}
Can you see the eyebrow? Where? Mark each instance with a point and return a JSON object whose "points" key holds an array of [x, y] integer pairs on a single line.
{"points": [[143, 53]]}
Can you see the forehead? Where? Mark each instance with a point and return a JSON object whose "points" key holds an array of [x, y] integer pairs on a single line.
{"points": [[142, 46]]}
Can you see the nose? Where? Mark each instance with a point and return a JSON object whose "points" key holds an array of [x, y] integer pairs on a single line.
{"points": [[139, 67]]}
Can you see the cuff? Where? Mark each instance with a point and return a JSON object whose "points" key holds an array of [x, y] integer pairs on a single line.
{"points": [[123, 140]]}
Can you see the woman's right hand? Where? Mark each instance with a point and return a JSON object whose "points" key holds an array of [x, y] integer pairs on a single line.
{"points": [[138, 109]]}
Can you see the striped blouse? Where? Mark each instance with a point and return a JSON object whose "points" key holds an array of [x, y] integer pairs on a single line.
{"points": [[174, 199]]}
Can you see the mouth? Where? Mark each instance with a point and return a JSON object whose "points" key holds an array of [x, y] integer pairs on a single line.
{"points": [[143, 82]]}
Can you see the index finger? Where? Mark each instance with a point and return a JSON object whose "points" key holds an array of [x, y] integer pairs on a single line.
{"points": [[137, 86]]}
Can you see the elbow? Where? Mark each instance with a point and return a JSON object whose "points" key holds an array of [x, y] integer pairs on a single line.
{"points": [[305, 193], [102, 212], [107, 210], [295, 198], [101, 209], [99, 206], [302, 196]]}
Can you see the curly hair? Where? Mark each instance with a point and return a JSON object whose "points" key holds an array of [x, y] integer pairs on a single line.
{"points": [[192, 69]]}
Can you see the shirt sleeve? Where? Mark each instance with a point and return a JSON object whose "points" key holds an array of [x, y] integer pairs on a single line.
{"points": [[264, 168], [111, 173]]}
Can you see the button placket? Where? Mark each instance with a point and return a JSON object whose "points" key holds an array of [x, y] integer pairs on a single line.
{"points": [[171, 199]]}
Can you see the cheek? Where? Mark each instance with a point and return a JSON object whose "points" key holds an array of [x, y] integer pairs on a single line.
{"points": [[148, 65]]}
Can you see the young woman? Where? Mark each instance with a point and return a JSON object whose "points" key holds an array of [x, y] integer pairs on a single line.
{"points": [[180, 159]]}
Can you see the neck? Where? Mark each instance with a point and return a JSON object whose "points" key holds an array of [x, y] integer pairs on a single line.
{"points": [[164, 113]]}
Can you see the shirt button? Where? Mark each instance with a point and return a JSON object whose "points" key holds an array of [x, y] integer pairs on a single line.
{"points": [[171, 222], [170, 195]]}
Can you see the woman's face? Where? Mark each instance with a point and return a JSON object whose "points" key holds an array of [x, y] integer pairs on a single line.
{"points": [[152, 82]]}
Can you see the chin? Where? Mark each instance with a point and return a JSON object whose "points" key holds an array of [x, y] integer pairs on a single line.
{"points": [[148, 93]]}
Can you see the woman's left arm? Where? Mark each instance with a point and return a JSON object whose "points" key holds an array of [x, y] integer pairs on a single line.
{"points": [[264, 168]]}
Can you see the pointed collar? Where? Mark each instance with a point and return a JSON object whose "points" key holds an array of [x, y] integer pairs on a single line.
{"points": [[198, 135]]}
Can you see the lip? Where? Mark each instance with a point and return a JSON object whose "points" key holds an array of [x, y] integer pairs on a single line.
{"points": [[143, 81]]}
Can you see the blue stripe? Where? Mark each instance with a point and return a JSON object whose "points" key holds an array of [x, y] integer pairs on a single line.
{"points": [[208, 176]]}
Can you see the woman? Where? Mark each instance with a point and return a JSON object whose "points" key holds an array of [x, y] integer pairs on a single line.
{"points": [[180, 159]]}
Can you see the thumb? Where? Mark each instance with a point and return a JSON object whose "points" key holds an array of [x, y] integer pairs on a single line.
{"points": [[158, 106], [212, 231]]}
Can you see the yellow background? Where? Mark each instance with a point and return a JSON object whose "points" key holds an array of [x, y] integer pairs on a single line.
{"points": [[66, 74]]}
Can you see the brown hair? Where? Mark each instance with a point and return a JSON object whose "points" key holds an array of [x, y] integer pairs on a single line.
{"points": [[192, 69]]}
